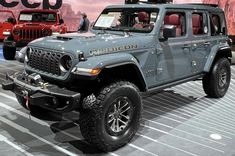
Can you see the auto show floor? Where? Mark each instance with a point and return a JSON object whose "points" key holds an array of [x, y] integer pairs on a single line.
{"points": [[180, 121]]}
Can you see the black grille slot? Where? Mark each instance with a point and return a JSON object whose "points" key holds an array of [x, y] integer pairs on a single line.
{"points": [[31, 34], [47, 61]]}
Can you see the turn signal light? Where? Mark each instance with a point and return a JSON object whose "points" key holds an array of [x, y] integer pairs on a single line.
{"points": [[95, 71], [85, 71]]}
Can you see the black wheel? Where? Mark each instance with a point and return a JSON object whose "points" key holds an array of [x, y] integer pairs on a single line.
{"points": [[114, 119], [216, 82], [33, 109], [9, 52]]}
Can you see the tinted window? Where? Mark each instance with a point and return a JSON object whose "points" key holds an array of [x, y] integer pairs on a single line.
{"points": [[178, 20], [217, 24], [199, 24]]}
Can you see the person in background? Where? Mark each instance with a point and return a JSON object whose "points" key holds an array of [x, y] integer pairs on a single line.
{"points": [[84, 23]]}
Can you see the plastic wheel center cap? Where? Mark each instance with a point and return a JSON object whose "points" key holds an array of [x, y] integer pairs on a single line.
{"points": [[117, 114]]}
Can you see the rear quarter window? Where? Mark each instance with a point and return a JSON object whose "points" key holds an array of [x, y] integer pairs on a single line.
{"points": [[199, 23]]}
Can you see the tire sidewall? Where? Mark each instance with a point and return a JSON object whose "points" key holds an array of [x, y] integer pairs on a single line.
{"points": [[133, 95], [219, 65], [9, 52]]}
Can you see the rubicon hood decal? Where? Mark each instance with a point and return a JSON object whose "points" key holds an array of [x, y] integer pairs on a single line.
{"points": [[112, 49]]}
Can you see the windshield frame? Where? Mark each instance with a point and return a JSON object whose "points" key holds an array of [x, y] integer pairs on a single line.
{"points": [[128, 11]]}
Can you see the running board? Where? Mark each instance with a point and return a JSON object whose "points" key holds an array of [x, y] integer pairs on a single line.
{"points": [[171, 84]]}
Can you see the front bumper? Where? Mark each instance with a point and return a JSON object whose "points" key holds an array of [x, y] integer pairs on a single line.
{"points": [[14, 44], [42, 94]]}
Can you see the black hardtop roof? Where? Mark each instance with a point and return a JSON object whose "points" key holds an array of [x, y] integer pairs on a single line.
{"points": [[208, 7]]}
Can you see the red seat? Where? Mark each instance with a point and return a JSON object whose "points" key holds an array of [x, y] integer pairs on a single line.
{"points": [[196, 22], [174, 19], [143, 18]]}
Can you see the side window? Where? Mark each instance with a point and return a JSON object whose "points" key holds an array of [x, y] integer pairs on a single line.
{"points": [[178, 20], [199, 24], [216, 25]]}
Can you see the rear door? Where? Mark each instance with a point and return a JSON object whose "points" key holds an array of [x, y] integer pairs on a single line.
{"points": [[201, 40], [7, 21]]}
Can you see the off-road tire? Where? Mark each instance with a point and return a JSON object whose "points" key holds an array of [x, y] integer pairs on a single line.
{"points": [[9, 53], [216, 82], [32, 108], [94, 123]]}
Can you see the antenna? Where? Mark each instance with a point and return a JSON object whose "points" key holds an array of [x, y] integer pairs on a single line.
{"points": [[205, 4], [148, 1]]}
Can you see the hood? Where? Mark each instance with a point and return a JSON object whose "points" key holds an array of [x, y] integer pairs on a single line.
{"points": [[32, 25], [90, 44]]}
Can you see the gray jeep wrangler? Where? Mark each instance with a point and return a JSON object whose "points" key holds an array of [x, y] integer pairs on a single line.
{"points": [[131, 50]]}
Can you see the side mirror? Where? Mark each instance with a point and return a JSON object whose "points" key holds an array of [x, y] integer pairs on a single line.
{"points": [[230, 42], [169, 31], [223, 30], [11, 20], [61, 21]]}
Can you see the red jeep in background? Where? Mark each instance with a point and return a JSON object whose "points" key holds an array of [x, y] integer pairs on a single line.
{"points": [[32, 24], [7, 21]]}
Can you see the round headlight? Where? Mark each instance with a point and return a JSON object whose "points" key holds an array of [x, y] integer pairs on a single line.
{"points": [[27, 54], [66, 63], [16, 32]]}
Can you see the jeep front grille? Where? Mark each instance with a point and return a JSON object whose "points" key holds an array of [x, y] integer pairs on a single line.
{"points": [[31, 34], [46, 61]]}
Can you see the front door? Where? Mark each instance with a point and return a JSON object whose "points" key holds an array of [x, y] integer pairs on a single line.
{"points": [[173, 55]]}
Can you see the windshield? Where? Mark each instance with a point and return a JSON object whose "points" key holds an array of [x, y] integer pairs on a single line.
{"points": [[127, 19], [37, 17]]}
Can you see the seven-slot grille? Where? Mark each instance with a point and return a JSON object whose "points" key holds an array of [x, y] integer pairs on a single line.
{"points": [[31, 34], [46, 61]]}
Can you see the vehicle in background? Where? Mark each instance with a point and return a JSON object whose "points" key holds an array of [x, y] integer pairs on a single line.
{"points": [[7, 21], [32, 24]]}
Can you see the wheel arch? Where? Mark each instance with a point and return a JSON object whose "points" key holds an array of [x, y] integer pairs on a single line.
{"points": [[128, 71], [117, 66], [216, 53]]}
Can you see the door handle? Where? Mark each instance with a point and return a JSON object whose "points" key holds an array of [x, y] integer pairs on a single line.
{"points": [[186, 46], [206, 43]]}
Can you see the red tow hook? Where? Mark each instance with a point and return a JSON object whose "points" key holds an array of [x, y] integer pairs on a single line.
{"points": [[26, 97]]}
